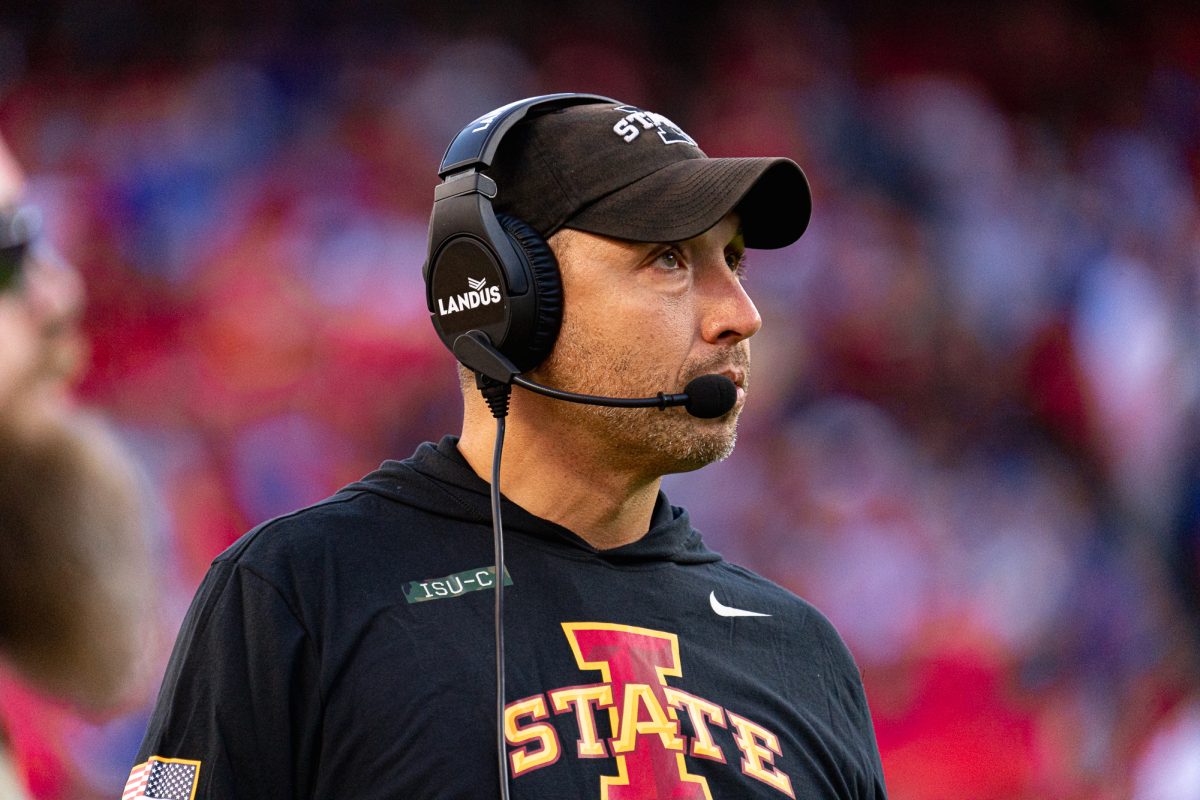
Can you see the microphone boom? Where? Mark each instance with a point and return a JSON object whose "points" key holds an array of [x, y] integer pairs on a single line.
{"points": [[705, 397]]}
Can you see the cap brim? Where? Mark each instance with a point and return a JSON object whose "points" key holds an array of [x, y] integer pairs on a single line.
{"points": [[686, 198]]}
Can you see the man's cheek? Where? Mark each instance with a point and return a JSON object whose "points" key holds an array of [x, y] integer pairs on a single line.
{"points": [[18, 354]]}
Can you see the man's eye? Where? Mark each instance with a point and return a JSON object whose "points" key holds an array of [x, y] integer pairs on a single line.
{"points": [[670, 259], [736, 261]]}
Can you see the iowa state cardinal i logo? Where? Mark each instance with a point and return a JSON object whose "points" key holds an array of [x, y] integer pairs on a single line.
{"points": [[648, 750]]}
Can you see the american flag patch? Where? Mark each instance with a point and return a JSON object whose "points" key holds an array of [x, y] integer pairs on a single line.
{"points": [[162, 779]]}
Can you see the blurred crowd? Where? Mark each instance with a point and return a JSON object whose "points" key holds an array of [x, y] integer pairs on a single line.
{"points": [[971, 433]]}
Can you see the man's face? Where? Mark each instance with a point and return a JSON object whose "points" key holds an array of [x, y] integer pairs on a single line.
{"points": [[40, 341], [644, 318]]}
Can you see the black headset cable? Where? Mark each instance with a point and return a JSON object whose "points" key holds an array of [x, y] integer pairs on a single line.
{"points": [[497, 395]]}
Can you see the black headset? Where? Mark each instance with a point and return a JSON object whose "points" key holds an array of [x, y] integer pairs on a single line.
{"points": [[485, 271]]}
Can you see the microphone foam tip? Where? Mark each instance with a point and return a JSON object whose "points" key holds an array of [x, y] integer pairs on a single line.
{"points": [[710, 396]]}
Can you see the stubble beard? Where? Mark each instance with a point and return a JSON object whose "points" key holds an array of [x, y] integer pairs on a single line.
{"points": [[648, 440]]}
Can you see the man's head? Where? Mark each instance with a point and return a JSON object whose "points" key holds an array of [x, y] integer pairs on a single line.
{"points": [[649, 236]]}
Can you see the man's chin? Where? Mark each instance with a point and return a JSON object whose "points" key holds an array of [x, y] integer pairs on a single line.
{"points": [[708, 441], [651, 441]]}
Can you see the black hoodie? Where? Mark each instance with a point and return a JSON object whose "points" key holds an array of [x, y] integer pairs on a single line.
{"points": [[346, 650]]}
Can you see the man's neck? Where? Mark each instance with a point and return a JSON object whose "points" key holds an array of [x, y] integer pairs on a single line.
{"points": [[558, 479]]}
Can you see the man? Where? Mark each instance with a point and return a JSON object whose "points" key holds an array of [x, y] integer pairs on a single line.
{"points": [[74, 588], [345, 650]]}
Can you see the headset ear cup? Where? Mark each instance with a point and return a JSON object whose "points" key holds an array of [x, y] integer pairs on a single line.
{"points": [[547, 288]]}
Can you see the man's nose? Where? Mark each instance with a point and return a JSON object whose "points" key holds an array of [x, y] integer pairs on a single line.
{"points": [[52, 287], [731, 315]]}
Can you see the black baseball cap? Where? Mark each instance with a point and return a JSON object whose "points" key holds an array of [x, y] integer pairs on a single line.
{"points": [[624, 172]]}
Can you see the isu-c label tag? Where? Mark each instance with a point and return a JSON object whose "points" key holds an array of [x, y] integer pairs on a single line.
{"points": [[471, 580]]}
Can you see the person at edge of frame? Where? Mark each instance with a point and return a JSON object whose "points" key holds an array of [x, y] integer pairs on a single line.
{"points": [[75, 586]]}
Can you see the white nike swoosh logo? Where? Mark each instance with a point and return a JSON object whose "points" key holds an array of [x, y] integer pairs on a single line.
{"points": [[727, 611]]}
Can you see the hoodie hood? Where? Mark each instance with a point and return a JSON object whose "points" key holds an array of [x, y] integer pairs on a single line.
{"points": [[437, 479]]}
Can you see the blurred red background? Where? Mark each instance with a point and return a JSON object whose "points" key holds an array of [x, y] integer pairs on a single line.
{"points": [[970, 439]]}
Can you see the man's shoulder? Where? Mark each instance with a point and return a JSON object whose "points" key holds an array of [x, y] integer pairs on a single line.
{"points": [[809, 625], [746, 579], [354, 521]]}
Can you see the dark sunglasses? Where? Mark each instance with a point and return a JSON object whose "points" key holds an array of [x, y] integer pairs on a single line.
{"points": [[18, 229]]}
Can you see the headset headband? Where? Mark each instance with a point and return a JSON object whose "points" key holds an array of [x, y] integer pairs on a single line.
{"points": [[486, 274], [476, 144]]}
